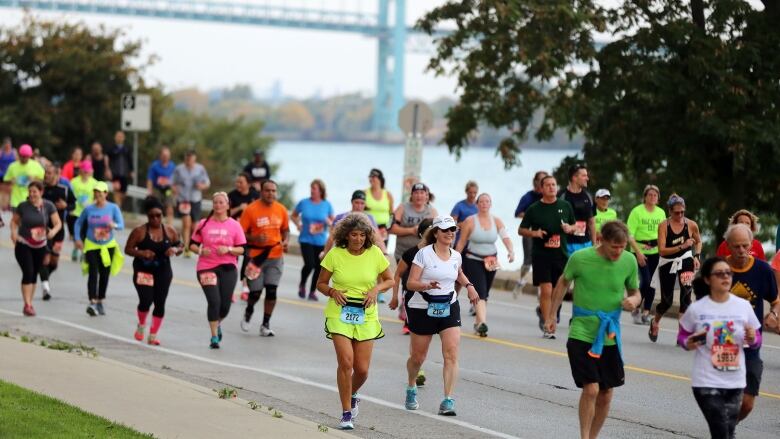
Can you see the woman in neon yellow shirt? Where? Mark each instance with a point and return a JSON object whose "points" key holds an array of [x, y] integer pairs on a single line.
{"points": [[642, 225]]}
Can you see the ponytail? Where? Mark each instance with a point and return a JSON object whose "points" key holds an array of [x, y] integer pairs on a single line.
{"points": [[197, 231]]}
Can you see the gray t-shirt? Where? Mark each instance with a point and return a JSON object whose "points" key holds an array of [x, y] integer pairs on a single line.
{"points": [[185, 179], [410, 218], [34, 222]]}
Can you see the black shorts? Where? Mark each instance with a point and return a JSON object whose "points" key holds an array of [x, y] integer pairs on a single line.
{"points": [[194, 211], [607, 370], [122, 183], [547, 269], [754, 368], [421, 323]]}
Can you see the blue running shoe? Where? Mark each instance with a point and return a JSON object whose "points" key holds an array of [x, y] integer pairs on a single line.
{"points": [[411, 399], [447, 407], [214, 342], [346, 422]]}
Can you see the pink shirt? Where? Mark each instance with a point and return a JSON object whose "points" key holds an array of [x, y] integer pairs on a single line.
{"points": [[214, 234]]}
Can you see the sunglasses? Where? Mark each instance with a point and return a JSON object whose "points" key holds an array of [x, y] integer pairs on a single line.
{"points": [[722, 274], [678, 212], [451, 230]]}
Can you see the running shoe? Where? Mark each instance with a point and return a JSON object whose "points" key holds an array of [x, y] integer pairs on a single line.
{"points": [[74, 255], [99, 308], [548, 335], [152, 340], [539, 316], [313, 297], [637, 316], [245, 324], [420, 380], [381, 298], [245, 293], [482, 330], [139, 333], [405, 330], [219, 333], [411, 399], [346, 422], [354, 403], [28, 310], [265, 331], [472, 311], [653, 335], [188, 254], [302, 291], [46, 296], [646, 319], [447, 407], [214, 343], [46, 287], [92, 309]]}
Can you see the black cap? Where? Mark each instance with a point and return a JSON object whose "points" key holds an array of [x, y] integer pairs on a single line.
{"points": [[358, 195], [420, 187]]}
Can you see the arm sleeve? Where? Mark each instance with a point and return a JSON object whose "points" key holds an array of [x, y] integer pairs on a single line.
{"points": [[80, 223], [118, 220], [682, 336]]}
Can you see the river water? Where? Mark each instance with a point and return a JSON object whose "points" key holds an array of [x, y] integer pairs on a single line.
{"points": [[344, 167]]}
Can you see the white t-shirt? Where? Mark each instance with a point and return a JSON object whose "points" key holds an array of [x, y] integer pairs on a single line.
{"points": [[435, 269], [725, 324]]}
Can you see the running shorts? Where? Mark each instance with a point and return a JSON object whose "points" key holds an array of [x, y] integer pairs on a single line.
{"points": [[421, 323], [754, 368], [371, 330], [547, 268], [270, 274], [606, 370]]}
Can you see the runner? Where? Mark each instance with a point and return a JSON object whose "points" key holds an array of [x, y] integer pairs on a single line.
{"points": [[679, 247], [71, 168], [351, 317], [240, 198], [100, 166], [218, 240], [312, 216], [754, 281], [7, 156], [547, 221], [102, 255], [358, 202], [603, 212], [158, 182], [258, 169], [34, 222], [402, 275], [746, 217], [379, 203], [152, 245], [479, 234], [61, 196], [582, 205], [408, 215], [435, 308], [717, 327], [189, 180], [120, 160], [83, 190], [601, 277], [465, 208], [642, 225], [21, 173], [267, 230], [526, 201]]}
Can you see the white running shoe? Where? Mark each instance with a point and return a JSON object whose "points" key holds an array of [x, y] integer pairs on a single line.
{"points": [[637, 316], [245, 325], [265, 331]]}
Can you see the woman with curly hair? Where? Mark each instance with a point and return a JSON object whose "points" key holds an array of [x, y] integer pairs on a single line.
{"points": [[349, 278], [746, 217]]}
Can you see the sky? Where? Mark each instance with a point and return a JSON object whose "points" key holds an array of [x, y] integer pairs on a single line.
{"points": [[307, 63]]}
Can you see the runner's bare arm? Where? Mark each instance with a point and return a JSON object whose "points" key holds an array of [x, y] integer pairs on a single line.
{"points": [[378, 241], [396, 228], [56, 225], [502, 232], [662, 250], [632, 300], [399, 271], [465, 233], [592, 228], [557, 298]]}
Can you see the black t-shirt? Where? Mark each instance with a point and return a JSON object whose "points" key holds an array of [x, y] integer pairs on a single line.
{"points": [[582, 204], [408, 257], [60, 192], [236, 199], [258, 172], [99, 169]]}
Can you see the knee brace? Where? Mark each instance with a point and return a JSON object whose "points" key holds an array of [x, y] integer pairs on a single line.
{"points": [[270, 292]]}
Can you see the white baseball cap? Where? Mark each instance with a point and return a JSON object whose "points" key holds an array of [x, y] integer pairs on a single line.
{"points": [[443, 222], [601, 193]]}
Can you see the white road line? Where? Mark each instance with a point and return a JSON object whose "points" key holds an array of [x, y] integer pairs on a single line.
{"points": [[284, 376]]}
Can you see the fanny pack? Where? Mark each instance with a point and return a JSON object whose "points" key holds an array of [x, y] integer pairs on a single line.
{"points": [[438, 305], [651, 242]]}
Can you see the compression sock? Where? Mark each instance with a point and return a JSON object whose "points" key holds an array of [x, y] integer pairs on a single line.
{"points": [[142, 317], [156, 323]]}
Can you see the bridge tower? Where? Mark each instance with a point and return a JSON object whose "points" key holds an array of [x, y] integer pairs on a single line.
{"points": [[390, 66]]}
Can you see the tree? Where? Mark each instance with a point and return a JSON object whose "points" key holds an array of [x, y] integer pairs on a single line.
{"points": [[684, 95]]}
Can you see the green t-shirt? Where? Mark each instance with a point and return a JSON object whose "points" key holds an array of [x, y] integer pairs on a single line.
{"points": [[84, 191], [548, 217], [599, 285], [354, 274], [643, 226], [21, 175], [602, 217]]}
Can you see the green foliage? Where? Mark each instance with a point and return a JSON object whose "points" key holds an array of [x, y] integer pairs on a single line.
{"points": [[227, 393], [684, 96]]}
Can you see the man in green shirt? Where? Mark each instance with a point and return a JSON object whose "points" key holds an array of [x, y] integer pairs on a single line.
{"points": [[21, 173], [601, 277], [547, 221], [604, 213], [642, 225]]}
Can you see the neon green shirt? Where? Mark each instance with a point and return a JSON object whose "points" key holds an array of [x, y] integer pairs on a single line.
{"points": [[602, 217], [21, 175], [643, 226], [84, 193], [354, 274], [599, 285]]}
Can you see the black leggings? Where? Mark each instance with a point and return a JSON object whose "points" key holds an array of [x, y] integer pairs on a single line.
{"points": [[645, 278], [667, 281], [311, 263], [30, 260], [97, 281], [720, 408], [479, 276], [156, 294], [219, 296], [71, 222]]}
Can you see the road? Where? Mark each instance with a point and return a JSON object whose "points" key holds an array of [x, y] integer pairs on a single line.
{"points": [[512, 384]]}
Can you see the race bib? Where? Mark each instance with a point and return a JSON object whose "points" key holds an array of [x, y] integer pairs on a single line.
{"points": [[145, 279], [38, 234], [185, 208], [83, 199], [22, 180], [316, 228], [553, 242], [252, 271], [491, 263], [725, 357], [102, 233], [208, 278], [580, 227], [439, 309], [686, 278], [163, 181], [352, 315]]}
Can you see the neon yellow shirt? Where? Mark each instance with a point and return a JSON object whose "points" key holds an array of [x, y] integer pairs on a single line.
{"points": [[643, 226], [602, 217], [354, 274], [21, 175], [84, 193], [379, 209]]}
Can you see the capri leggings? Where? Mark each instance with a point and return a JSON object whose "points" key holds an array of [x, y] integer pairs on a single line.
{"points": [[30, 261], [645, 278], [668, 281], [219, 296], [156, 294], [97, 281], [311, 264], [720, 408], [479, 276]]}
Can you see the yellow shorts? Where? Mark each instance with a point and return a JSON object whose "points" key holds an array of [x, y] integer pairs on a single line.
{"points": [[370, 330]]}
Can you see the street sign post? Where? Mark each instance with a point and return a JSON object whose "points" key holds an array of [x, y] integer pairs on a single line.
{"points": [[136, 117], [414, 119]]}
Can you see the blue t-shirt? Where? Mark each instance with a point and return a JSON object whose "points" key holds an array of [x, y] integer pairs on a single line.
{"points": [[526, 201], [462, 210], [97, 220], [314, 219], [160, 175], [755, 283]]}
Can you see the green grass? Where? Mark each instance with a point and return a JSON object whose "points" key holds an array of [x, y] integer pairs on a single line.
{"points": [[26, 414]]}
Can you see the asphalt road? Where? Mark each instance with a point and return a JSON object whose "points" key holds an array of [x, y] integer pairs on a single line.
{"points": [[512, 384]]}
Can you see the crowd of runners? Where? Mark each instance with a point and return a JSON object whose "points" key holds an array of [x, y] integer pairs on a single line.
{"points": [[573, 244]]}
